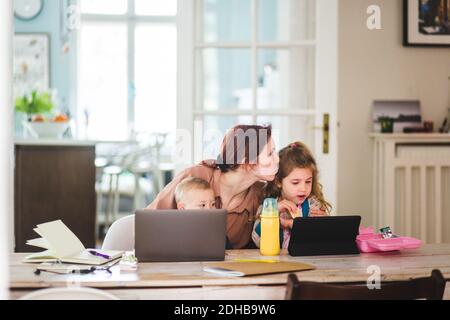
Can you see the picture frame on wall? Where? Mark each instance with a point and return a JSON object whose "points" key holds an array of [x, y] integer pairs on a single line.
{"points": [[426, 23], [31, 63], [402, 113]]}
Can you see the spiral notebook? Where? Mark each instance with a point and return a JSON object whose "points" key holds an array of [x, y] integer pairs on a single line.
{"points": [[63, 245]]}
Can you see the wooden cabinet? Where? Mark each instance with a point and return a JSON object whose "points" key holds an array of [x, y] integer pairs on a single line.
{"points": [[54, 182]]}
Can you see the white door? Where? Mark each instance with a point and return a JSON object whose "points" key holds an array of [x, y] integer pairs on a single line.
{"points": [[6, 143], [257, 62]]}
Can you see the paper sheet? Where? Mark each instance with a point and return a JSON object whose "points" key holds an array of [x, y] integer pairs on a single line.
{"points": [[64, 242]]}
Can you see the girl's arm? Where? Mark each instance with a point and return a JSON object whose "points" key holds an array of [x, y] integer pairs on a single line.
{"points": [[286, 220], [318, 213], [288, 211]]}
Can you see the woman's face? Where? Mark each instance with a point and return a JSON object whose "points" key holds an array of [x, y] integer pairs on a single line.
{"points": [[297, 186], [268, 161]]}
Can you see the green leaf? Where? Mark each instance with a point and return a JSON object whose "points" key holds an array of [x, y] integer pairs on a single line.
{"points": [[39, 103], [22, 104]]}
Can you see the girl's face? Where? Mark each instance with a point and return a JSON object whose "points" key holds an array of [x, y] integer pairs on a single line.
{"points": [[268, 161], [297, 186]]}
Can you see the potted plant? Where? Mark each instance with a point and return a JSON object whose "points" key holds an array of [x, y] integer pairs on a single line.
{"points": [[38, 125], [387, 124], [34, 104]]}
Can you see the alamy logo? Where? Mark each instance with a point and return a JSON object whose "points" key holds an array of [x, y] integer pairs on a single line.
{"points": [[374, 280], [374, 19]]}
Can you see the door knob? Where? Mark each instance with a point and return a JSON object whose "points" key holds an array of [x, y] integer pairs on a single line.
{"points": [[326, 132]]}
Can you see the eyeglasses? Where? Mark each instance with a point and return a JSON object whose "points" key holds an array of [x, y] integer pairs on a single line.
{"points": [[70, 269]]}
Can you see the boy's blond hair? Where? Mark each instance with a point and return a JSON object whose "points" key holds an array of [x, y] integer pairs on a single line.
{"points": [[190, 183]]}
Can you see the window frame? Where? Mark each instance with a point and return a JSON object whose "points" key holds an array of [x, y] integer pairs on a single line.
{"points": [[190, 106], [131, 20], [254, 45]]}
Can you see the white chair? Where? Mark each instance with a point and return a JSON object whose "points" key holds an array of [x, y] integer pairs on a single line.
{"points": [[120, 235], [69, 294]]}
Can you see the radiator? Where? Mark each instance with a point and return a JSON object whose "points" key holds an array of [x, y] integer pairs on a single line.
{"points": [[412, 188]]}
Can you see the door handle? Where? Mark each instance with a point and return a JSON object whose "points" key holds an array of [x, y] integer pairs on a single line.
{"points": [[325, 132]]}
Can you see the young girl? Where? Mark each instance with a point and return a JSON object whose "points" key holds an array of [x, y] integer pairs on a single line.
{"points": [[297, 189]]}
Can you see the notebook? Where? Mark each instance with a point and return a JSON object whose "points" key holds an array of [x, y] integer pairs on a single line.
{"points": [[242, 269], [63, 245]]}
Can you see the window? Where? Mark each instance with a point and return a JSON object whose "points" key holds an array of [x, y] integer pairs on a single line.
{"points": [[127, 67], [255, 63]]}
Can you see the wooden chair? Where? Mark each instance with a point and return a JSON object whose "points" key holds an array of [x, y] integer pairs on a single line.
{"points": [[431, 288]]}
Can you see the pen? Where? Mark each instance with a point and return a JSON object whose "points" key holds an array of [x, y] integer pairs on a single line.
{"points": [[95, 253]]}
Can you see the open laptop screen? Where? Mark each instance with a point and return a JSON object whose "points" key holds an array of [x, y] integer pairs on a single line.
{"points": [[180, 235]]}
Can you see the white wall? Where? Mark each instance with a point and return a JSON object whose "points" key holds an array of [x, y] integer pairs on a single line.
{"points": [[6, 145], [375, 65]]}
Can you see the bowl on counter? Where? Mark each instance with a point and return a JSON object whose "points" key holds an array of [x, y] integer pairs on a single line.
{"points": [[47, 129]]}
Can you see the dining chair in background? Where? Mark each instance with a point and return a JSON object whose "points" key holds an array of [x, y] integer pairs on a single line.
{"points": [[120, 235]]}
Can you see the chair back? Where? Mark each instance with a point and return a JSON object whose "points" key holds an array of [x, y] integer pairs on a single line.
{"points": [[120, 235], [430, 288]]}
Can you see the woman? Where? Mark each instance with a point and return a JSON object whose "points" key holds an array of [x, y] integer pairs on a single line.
{"points": [[247, 160]]}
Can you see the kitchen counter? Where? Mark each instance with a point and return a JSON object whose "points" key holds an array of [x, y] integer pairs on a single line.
{"points": [[54, 179], [53, 142], [64, 142]]}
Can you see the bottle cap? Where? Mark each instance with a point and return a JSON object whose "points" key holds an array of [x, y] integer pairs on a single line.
{"points": [[270, 208]]}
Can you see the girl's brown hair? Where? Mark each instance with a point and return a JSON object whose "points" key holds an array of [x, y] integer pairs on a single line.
{"points": [[297, 155]]}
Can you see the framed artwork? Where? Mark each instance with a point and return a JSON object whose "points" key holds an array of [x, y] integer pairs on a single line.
{"points": [[403, 113], [31, 63], [426, 23]]}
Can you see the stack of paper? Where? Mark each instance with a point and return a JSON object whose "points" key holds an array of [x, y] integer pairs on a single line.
{"points": [[63, 245]]}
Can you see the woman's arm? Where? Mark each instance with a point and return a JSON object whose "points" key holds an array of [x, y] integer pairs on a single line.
{"points": [[166, 198], [256, 233]]}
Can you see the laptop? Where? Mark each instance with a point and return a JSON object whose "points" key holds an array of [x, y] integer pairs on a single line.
{"points": [[316, 236], [175, 235]]}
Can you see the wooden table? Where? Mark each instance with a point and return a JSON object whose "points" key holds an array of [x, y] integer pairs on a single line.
{"points": [[187, 280]]}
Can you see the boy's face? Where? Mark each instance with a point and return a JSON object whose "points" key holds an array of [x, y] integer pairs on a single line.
{"points": [[197, 199], [297, 186]]}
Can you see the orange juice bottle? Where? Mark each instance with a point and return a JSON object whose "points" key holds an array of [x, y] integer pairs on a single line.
{"points": [[270, 228]]}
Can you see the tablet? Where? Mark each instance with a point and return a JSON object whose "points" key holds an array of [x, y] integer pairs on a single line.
{"points": [[316, 236]]}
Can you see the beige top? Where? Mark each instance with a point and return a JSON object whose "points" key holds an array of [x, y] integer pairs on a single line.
{"points": [[240, 219]]}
